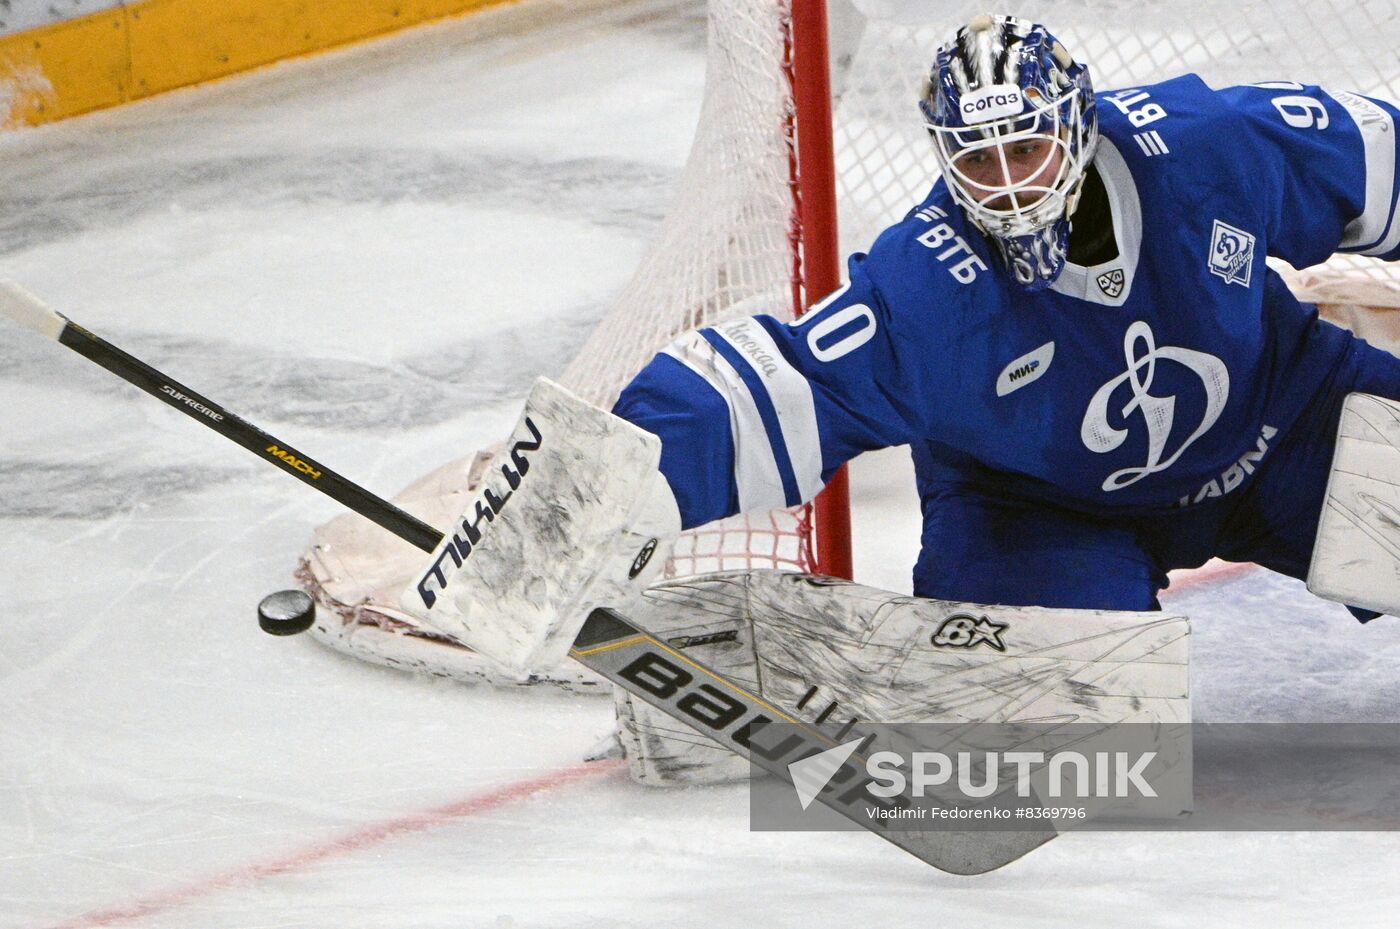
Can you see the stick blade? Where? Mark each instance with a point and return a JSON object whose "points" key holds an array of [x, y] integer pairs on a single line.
{"points": [[29, 311]]}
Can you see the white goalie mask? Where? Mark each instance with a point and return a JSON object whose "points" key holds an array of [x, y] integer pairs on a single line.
{"points": [[1014, 129]]}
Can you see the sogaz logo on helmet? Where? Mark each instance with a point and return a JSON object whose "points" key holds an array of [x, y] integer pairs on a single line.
{"points": [[996, 101]]}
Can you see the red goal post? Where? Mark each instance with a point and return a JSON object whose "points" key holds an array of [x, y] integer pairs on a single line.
{"points": [[817, 266]]}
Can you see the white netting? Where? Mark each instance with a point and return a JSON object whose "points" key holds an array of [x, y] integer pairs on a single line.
{"points": [[726, 243], [726, 250]]}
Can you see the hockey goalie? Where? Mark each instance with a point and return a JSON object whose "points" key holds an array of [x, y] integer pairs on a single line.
{"points": [[1100, 381]]}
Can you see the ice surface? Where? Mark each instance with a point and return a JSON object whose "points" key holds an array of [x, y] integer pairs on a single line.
{"points": [[371, 254]]}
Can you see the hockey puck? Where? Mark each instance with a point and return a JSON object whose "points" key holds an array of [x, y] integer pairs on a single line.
{"points": [[286, 612]]}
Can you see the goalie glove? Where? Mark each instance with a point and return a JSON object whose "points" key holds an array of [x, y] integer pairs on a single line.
{"points": [[575, 515]]}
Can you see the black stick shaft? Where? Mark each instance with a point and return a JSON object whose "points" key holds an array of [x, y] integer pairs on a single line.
{"points": [[231, 426]]}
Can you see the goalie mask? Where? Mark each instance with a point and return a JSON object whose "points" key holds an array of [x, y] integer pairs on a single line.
{"points": [[1014, 129]]}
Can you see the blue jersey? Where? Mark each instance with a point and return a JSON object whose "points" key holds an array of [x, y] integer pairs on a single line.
{"points": [[1153, 381]]}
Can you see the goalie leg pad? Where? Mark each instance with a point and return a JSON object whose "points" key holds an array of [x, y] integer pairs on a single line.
{"points": [[1356, 554], [834, 653], [705, 618], [576, 516], [886, 658]]}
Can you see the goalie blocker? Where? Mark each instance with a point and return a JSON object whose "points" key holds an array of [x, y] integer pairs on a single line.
{"points": [[576, 515]]}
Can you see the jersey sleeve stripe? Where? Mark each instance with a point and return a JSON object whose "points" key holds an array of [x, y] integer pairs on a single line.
{"points": [[792, 398], [756, 477], [1367, 233], [768, 415]]}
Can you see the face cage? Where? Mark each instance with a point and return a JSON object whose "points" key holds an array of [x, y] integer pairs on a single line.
{"points": [[952, 143]]}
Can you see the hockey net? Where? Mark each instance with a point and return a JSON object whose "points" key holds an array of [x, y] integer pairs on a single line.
{"points": [[733, 243]]}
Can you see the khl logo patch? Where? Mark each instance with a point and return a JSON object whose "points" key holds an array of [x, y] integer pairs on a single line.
{"points": [[1158, 413], [1111, 282], [964, 630], [1231, 253]]}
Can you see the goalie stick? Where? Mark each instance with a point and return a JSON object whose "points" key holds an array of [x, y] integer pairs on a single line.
{"points": [[32, 313], [608, 643]]}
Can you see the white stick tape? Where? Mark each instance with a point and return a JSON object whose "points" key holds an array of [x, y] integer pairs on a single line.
{"points": [[29, 311]]}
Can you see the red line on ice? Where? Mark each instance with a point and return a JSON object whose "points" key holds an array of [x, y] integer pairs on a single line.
{"points": [[418, 822], [371, 835]]}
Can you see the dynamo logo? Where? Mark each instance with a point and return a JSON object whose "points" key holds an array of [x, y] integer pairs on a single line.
{"points": [[1157, 413]]}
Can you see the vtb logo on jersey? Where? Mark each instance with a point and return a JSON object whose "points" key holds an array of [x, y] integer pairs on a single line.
{"points": [[1231, 253], [1158, 414]]}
